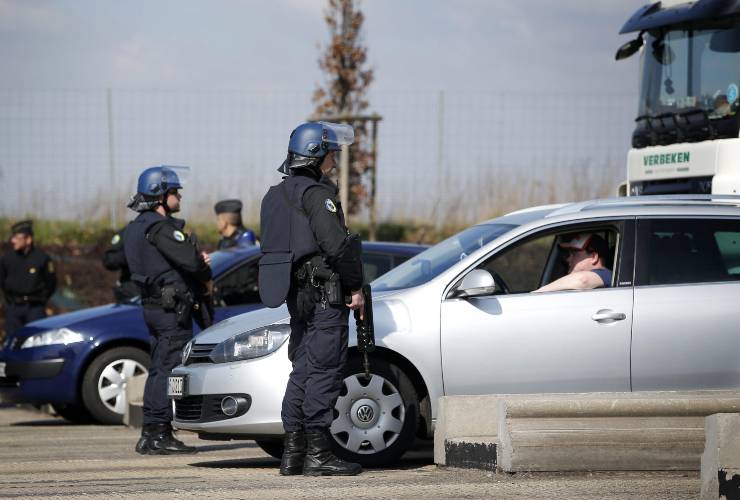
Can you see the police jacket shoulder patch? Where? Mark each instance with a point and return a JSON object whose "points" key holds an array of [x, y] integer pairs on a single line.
{"points": [[330, 206]]}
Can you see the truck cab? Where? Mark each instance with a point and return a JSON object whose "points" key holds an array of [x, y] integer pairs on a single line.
{"points": [[687, 127]]}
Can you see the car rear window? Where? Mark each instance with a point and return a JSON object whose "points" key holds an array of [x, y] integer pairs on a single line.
{"points": [[687, 251]]}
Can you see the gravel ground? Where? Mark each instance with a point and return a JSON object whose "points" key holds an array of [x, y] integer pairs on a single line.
{"points": [[43, 456]]}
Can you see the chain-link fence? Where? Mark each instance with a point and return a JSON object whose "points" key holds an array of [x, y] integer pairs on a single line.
{"points": [[444, 157]]}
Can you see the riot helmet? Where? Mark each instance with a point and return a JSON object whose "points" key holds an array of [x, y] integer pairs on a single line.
{"points": [[310, 142], [153, 185]]}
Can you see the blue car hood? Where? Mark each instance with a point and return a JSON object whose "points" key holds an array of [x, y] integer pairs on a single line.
{"points": [[76, 318]]}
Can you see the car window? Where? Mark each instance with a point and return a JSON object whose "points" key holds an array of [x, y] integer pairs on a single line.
{"points": [[375, 264], [238, 286], [520, 267], [687, 251], [528, 265]]}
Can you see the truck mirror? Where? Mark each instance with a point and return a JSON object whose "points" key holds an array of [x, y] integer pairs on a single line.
{"points": [[629, 48]]}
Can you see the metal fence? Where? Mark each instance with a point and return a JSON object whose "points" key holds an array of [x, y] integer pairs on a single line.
{"points": [[445, 157]]}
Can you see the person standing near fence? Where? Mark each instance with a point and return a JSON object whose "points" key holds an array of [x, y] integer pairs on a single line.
{"points": [[310, 260], [230, 226], [168, 268], [27, 278]]}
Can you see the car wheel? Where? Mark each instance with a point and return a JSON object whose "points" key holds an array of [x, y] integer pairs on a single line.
{"points": [[72, 413], [375, 420], [104, 383], [272, 447]]}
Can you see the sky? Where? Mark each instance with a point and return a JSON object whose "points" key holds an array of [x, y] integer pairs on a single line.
{"points": [[466, 88], [274, 44]]}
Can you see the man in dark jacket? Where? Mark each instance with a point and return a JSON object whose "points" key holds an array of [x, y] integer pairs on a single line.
{"points": [[168, 268], [27, 278], [311, 261]]}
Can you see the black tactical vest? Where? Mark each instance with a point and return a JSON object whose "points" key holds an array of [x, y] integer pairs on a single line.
{"points": [[286, 237], [144, 260]]}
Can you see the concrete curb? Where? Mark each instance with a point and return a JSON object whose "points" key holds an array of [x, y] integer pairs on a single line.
{"points": [[577, 432], [720, 462]]}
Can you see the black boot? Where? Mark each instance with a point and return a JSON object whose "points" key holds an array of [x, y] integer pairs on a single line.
{"points": [[320, 461], [162, 442], [294, 451], [143, 447]]}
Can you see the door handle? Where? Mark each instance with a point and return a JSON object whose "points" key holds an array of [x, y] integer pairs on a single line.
{"points": [[608, 316]]}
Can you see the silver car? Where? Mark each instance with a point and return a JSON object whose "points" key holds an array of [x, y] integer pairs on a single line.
{"points": [[459, 318]]}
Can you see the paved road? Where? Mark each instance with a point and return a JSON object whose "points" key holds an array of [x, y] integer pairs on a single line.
{"points": [[42, 456]]}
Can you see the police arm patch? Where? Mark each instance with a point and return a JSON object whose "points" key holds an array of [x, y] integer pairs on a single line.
{"points": [[330, 206], [116, 239], [177, 234]]}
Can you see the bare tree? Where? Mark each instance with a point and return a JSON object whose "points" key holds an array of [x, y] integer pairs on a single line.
{"points": [[344, 90]]}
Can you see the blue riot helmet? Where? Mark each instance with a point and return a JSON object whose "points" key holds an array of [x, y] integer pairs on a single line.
{"points": [[154, 182], [311, 141]]}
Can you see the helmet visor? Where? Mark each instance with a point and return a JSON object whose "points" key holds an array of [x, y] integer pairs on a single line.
{"points": [[182, 173], [338, 134]]}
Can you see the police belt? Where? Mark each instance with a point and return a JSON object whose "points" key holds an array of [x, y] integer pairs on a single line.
{"points": [[314, 276]]}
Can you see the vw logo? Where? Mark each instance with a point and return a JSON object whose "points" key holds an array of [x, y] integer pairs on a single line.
{"points": [[365, 414]]}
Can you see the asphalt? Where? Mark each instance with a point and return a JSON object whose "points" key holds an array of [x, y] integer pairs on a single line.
{"points": [[43, 456]]}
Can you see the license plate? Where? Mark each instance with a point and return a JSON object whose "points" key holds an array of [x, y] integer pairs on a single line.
{"points": [[2, 369], [177, 386]]}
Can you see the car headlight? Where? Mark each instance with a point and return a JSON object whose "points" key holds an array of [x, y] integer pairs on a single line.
{"points": [[186, 351], [252, 344], [58, 336]]}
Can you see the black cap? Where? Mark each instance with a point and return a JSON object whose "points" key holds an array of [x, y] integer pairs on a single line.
{"points": [[228, 207], [22, 227]]}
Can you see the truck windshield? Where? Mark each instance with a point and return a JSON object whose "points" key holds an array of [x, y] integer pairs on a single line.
{"points": [[691, 71]]}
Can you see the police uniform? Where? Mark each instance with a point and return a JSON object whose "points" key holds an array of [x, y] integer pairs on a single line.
{"points": [[166, 265], [307, 253], [114, 259], [241, 235], [27, 280]]}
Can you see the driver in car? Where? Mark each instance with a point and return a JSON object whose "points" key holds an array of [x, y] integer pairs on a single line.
{"points": [[585, 256]]}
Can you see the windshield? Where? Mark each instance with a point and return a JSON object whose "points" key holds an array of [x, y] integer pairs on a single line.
{"points": [[439, 258], [694, 70]]}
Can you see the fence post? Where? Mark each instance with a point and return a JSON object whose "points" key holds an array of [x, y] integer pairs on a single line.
{"points": [[111, 162]]}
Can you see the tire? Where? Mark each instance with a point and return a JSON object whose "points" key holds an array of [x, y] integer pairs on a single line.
{"points": [[76, 414], [272, 447], [103, 386], [375, 421]]}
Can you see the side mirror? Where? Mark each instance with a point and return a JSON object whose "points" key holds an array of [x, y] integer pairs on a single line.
{"points": [[629, 48], [477, 282]]}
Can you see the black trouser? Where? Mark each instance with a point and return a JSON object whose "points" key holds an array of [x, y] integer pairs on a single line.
{"points": [[167, 341], [17, 315], [318, 351]]}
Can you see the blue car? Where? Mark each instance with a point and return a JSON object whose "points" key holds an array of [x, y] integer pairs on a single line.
{"points": [[79, 362]]}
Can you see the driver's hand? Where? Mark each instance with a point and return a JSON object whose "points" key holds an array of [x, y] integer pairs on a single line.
{"points": [[358, 302]]}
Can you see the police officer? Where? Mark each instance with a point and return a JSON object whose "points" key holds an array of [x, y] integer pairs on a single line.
{"points": [[27, 278], [229, 223], [114, 259], [311, 259], [166, 265]]}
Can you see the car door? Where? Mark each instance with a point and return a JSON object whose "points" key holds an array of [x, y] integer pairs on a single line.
{"points": [[522, 342], [685, 331]]}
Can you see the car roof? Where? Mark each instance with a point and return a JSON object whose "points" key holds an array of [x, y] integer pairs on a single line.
{"points": [[662, 205]]}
